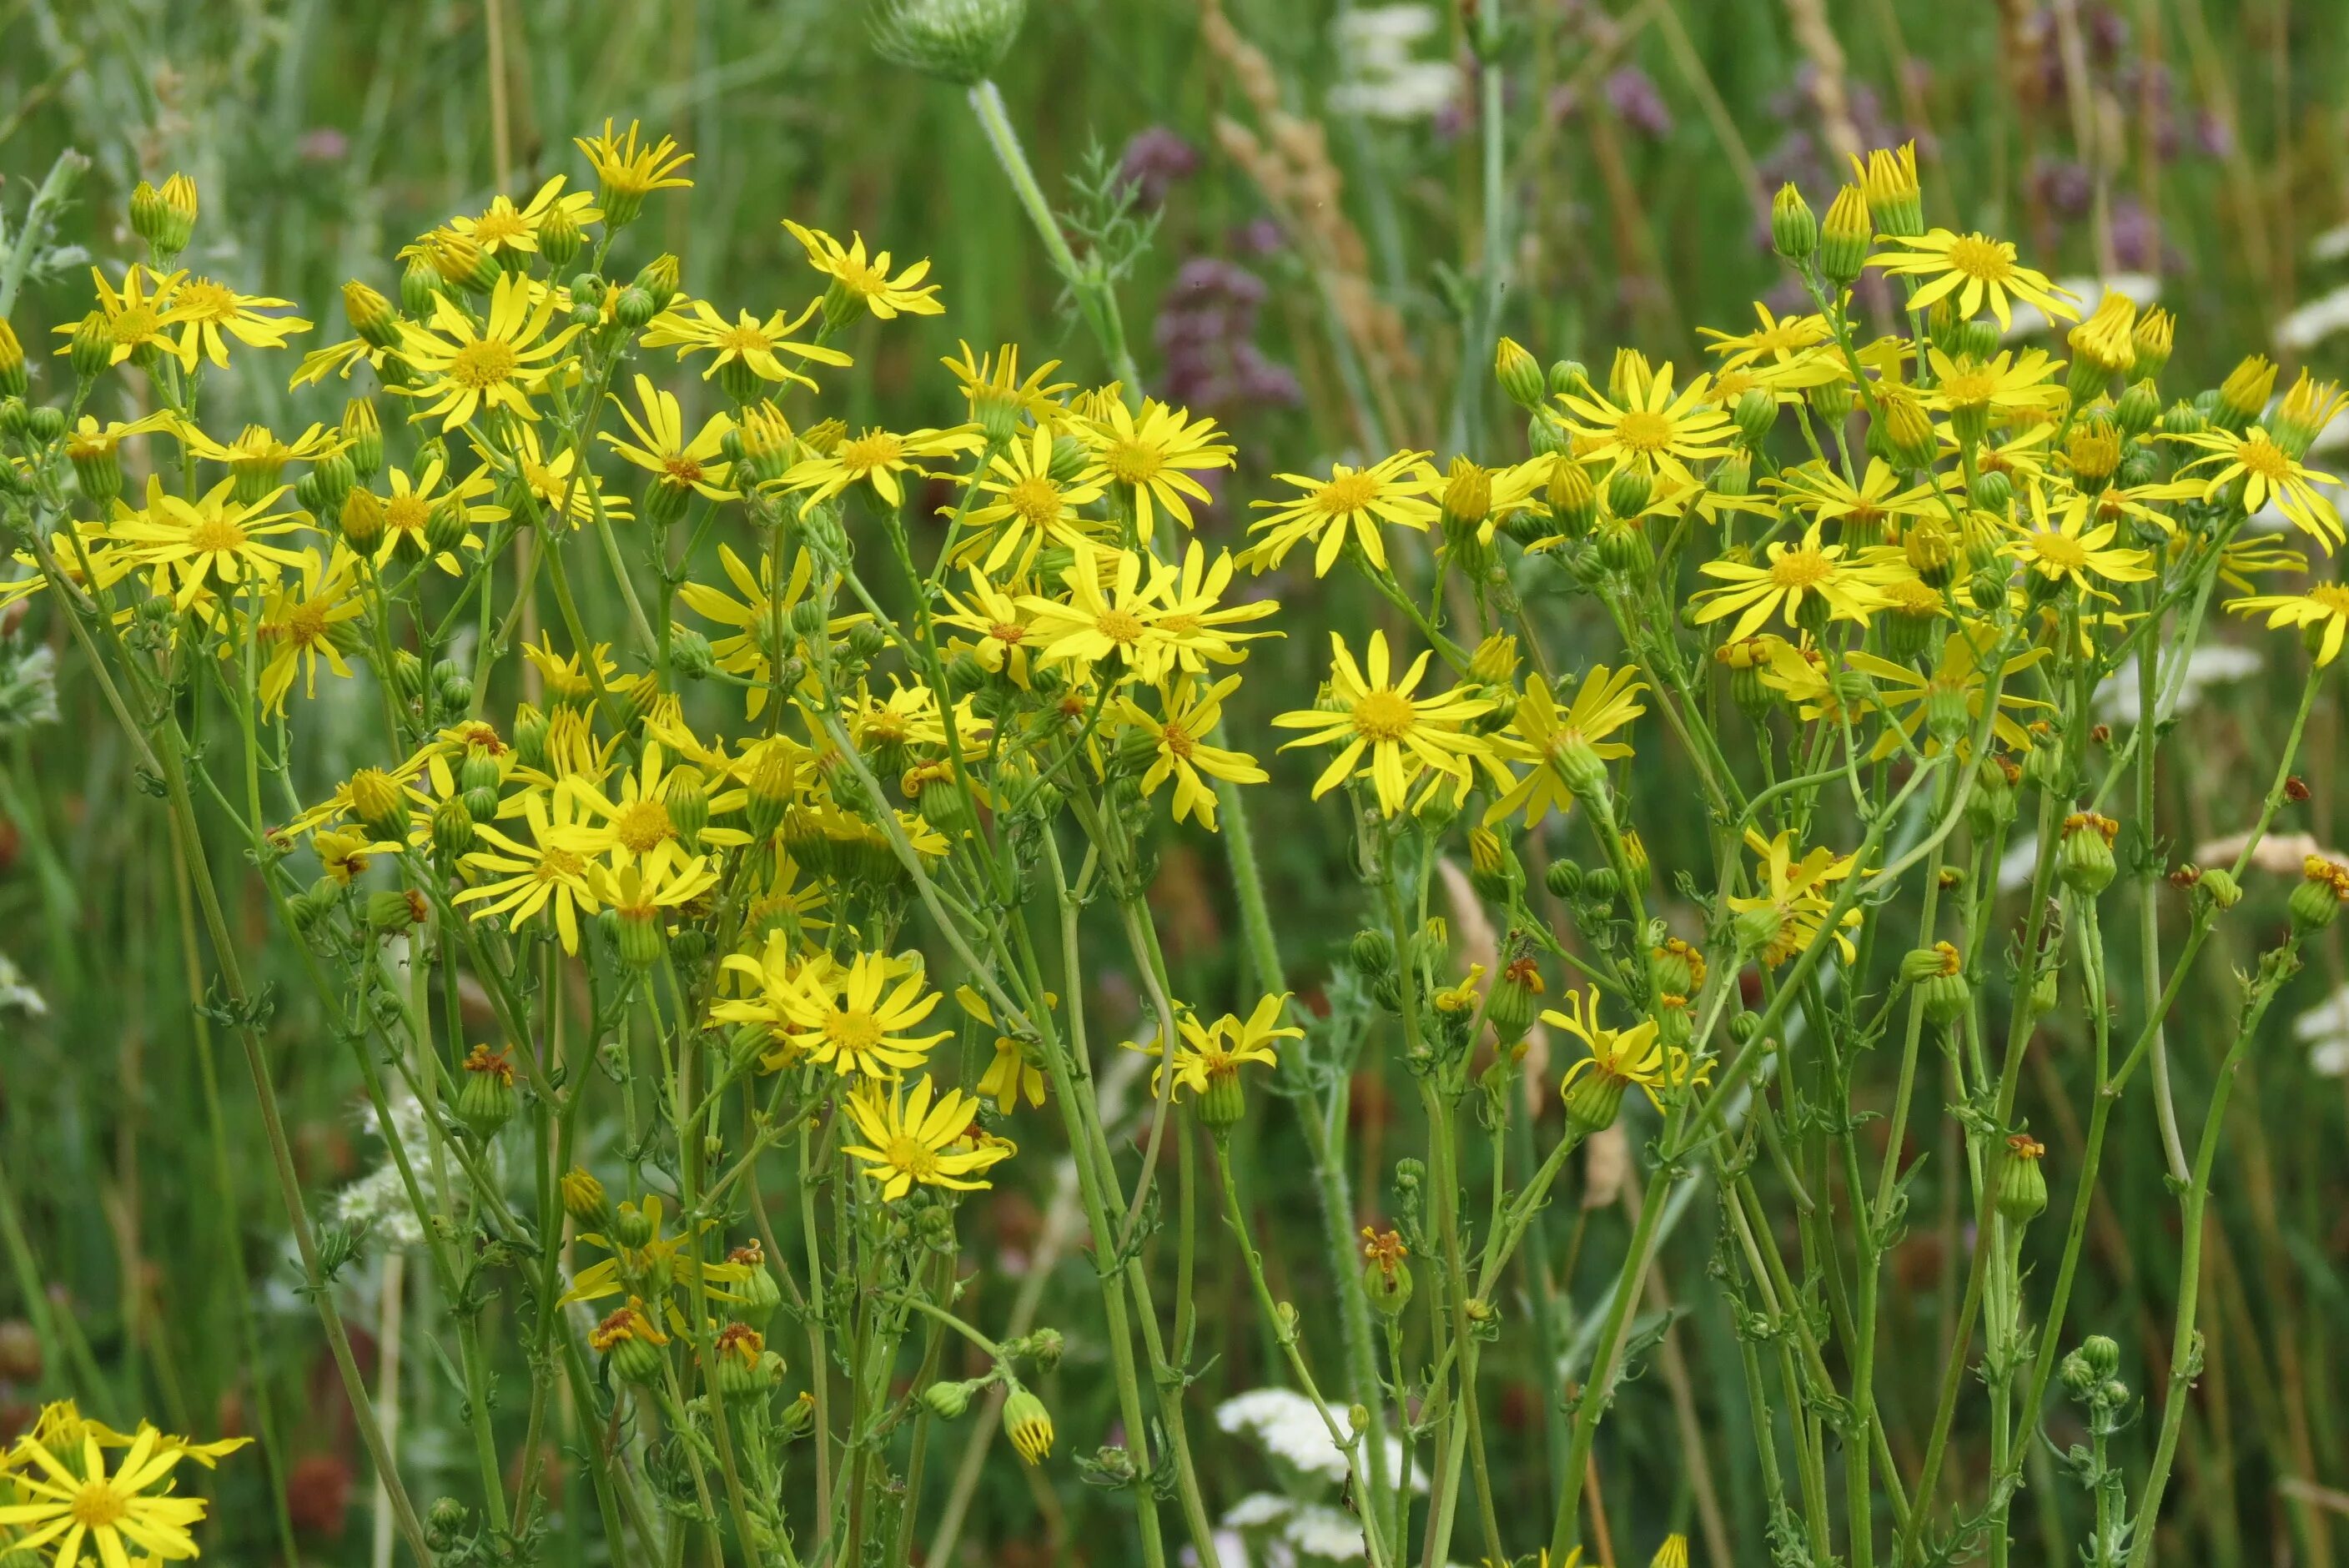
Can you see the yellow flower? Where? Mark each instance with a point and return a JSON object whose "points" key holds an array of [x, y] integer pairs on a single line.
{"points": [[1561, 746], [662, 448], [1011, 1074], [2268, 473], [1975, 269], [1822, 493], [909, 1141], [998, 396], [1906, 698], [558, 483], [630, 171], [498, 364], [876, 458], [550, 869], [138, 315], [1150, 458], [749, 350], [1179, 748], [867, 282], [994, 616], [1199, 632], [2324, 604], [508, 229], [204, 310], [643, 833], [1631, 1055], [643, 889], [2060, 551], [1351, 503], [842, 1020], [1650, 427], [410, 508], [1779, 340], [1785, 918], [1204, 1053], [79, 1513], [1845, 588], [213, 541], [1030, 506], [1973, 389], [1405, 737], [298, 627]]}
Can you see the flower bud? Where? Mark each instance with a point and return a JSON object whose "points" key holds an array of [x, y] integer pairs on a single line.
{"points": [[949, 1401], [2021, 1184], [1894, 203], [1520, 373], [2151, 341], [2244, 394], [958, 41], [1573, 499], [1756, 415], [1843, 238], [485, 1102], [2219, 886], [1028, 1424], [560, 237], [452, 827], [1386, 1272], [91, 348], [1564, 879], [769, 789], [584, 1197], [631, 1342], [1628, 490], [2139, 407], [362, 521], [165, 219], [1909, 435], [1593, 1099], [2086, 857], [2093, 450], [1794, 231], [1509, 1005], [1372, 952], [14, 382], [2317, 900]]}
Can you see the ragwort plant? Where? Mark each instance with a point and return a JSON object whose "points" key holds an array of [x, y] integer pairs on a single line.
{"points": [[789, 873]]}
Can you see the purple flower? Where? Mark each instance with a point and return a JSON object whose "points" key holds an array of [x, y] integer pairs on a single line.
{"points": [[1632, 94], [1153, 162], [1207, 329]]}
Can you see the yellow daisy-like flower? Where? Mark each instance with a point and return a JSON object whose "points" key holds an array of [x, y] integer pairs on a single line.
{"points": [[77, 1513], [1794, 574], [1179, 748], [662, 448], [1908, 699], [2065, 551], [877, 457], [2324, 606], [1351, 503], [998, 396], [1778, 340], [1651, 429], [753, 345], [754, 617], [630, 170], [1199, 627], [1970, 389], [1822, 493], [1973, 270], [2268, 473], [1626, 1057], [995, 619], [507, 229], [552, 869], [210, 541], [301, 622], [841, 1019], [209, 313], [1149, 459], [1405, 737], [1204, 1053], [643, 832], [557, 483], [868, 282], [1786, 916], [139, 314], [408, 509], [1562, 745], [1109, 614], [909, 1141], [1011, 1074], [499, 364], [1030, 507]]}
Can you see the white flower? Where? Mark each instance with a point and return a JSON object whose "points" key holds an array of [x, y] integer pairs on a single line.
{"points": [[1378, 74], [2209, 665], [2315, 322], [16, 994], [1283, 1423], [2325, 1030]]}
